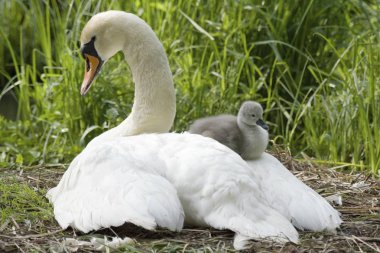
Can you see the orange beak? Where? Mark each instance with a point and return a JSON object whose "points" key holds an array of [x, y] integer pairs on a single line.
{"points": [[92, 67]]}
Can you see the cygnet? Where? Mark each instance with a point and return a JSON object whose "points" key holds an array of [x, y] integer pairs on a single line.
{"points": [[246, 134]]}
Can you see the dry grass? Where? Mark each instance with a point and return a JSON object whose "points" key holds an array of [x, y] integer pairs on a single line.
{"points": [[360, 231]]}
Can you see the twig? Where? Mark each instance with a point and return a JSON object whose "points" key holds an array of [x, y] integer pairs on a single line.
{"points": [[32, 236], [15, 223], [39, 166], [361, 238], [34, 179], [18, 247], [358, 209], [365, 243], [5, 224]]}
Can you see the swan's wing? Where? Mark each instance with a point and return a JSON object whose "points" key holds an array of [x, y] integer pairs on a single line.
{"points": [[104, 187], [292, 198]]}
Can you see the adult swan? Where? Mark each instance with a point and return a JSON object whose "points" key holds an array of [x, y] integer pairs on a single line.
{"points": [[162, 179]]}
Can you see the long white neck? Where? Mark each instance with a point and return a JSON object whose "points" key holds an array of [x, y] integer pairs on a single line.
{"points": [[154, 103]]}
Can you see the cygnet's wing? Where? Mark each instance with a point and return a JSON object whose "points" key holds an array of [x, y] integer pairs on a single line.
{"points": [[222, 128]]}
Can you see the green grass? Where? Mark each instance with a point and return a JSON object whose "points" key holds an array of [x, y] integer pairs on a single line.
{"points": [[314, 65], [23, 203]]}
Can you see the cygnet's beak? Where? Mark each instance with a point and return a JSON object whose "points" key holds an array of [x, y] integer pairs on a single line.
{"points": [[93, 65], [261, 123], [92, 68]]}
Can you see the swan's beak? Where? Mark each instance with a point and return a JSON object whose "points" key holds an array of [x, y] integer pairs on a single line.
{"points": [[93, 65], [261, 123]]}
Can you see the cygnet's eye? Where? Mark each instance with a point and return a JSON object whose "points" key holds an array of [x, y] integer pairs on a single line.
{"points": [[253, 115]]}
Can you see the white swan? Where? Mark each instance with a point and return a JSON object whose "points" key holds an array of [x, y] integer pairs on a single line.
{"points": [[246, 134], [158, 179]]}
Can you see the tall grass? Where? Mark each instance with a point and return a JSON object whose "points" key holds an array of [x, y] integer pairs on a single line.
{"points": [[314, 65]]}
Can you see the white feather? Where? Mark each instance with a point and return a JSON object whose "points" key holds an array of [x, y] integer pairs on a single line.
{"points": [[104, 187], [305, 208], [138, 178]]}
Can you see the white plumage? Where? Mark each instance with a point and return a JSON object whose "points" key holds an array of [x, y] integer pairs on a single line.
{"points": [[300, 204], [110, 184], [152, 179], [163, 179]]}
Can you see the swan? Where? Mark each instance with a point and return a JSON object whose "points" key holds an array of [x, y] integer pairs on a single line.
{"points": [[246, 134], [137, 173]]}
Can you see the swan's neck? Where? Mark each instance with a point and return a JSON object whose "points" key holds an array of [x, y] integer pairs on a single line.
{"points": [[154, 106], [154, 103]]}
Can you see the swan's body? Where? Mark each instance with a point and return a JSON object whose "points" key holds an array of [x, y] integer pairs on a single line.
{"points": [[245, 134], [158, 179], [150, 179]]}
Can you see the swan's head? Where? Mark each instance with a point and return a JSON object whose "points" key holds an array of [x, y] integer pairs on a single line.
{"points": [[104, 35], [251, 114]]}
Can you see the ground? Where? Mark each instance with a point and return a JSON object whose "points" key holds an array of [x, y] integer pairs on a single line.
{"points": [[30, 227]]}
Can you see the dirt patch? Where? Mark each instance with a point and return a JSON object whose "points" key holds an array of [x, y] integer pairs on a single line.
{"points": [[360, 231]]}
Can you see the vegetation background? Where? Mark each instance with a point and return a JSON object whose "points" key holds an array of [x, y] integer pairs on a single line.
{"points": [[313, 65]]}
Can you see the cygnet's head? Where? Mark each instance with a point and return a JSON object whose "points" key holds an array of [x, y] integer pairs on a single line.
{"points": [[104, 35], [251, 114]]}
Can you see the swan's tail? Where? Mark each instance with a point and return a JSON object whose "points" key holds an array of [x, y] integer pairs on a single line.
{"points": [[305, 208], [251, 219], [310, 211]]}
